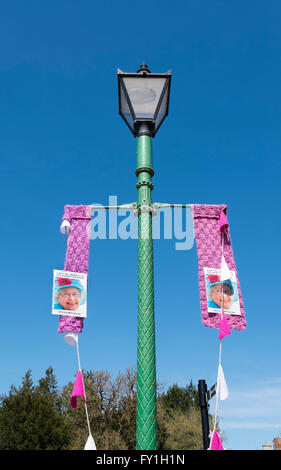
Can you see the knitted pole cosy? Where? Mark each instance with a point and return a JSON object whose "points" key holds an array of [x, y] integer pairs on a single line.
{"points": [[77, 255], [209, 250]]}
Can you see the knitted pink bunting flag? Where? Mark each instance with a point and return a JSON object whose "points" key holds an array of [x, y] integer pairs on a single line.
{"points": [[216, 442], [210, 225], [77, 255], [78, 390], [224, 328], [223, 222]]}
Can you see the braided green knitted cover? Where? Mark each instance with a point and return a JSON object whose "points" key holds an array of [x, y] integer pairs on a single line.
{"points": [[146, 371]]}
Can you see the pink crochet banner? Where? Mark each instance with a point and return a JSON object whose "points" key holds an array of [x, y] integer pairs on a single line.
{"points": [[211, 231], [77, 255]]}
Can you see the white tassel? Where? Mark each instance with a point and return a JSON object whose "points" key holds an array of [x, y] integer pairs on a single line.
{"points": [[65, 227]]}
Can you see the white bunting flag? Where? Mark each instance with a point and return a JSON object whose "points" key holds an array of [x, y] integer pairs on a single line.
{"points": [[90, 444], [222, 389], [225, 271]]}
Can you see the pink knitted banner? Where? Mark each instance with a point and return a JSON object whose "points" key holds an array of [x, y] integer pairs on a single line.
{"points": [[207, 224], [77, 255]]}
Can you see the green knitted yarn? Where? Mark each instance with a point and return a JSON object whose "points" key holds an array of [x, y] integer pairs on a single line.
{"points": [[146, 369]]}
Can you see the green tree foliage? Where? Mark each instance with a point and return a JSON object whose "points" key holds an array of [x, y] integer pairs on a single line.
{"points": [[30, 416], [111, 408], [40, 417], [112, 413], [181, 418], [184, 431], [179, 398]]}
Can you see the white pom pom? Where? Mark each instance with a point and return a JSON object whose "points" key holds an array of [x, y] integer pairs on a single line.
{"points": [[71, 338], [65, 227]]}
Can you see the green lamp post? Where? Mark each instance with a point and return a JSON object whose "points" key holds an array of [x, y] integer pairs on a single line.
{"points": [[144, 104]]}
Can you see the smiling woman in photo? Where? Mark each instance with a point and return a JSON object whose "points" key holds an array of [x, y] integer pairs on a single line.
{"points": [[220, 292], [69, 294]]}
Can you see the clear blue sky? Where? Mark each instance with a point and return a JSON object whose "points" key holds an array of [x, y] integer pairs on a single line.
{"points": [[63, 142]]}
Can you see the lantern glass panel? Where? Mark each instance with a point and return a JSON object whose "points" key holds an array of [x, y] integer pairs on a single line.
{"points": [[144, 94], [125, 109], [163, 110]]}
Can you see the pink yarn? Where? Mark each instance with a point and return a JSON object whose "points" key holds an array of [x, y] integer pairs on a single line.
{"points": [[77, 255], [209, 251], [78, 390], [223, 222], [216, 442], [224, 327]]}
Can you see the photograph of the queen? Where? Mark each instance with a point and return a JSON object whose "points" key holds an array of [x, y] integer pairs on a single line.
{"points": [[69, 294], [221, 293]]}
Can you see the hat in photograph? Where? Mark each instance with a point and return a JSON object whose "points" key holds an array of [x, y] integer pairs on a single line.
{"points": [[63, 282], [215, 279]]}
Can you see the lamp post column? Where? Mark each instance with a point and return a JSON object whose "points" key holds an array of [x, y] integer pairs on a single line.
{"points": [[146, 434]]}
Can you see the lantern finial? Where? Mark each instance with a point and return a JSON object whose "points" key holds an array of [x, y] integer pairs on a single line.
{"points": [[143, 68]]}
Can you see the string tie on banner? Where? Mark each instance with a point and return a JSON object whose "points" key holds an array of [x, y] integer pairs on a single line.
{"points": [[79, 389], [224, 330]]}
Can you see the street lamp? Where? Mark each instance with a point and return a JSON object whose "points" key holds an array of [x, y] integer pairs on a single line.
{"points": [[144, 104], [144, 99]]}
